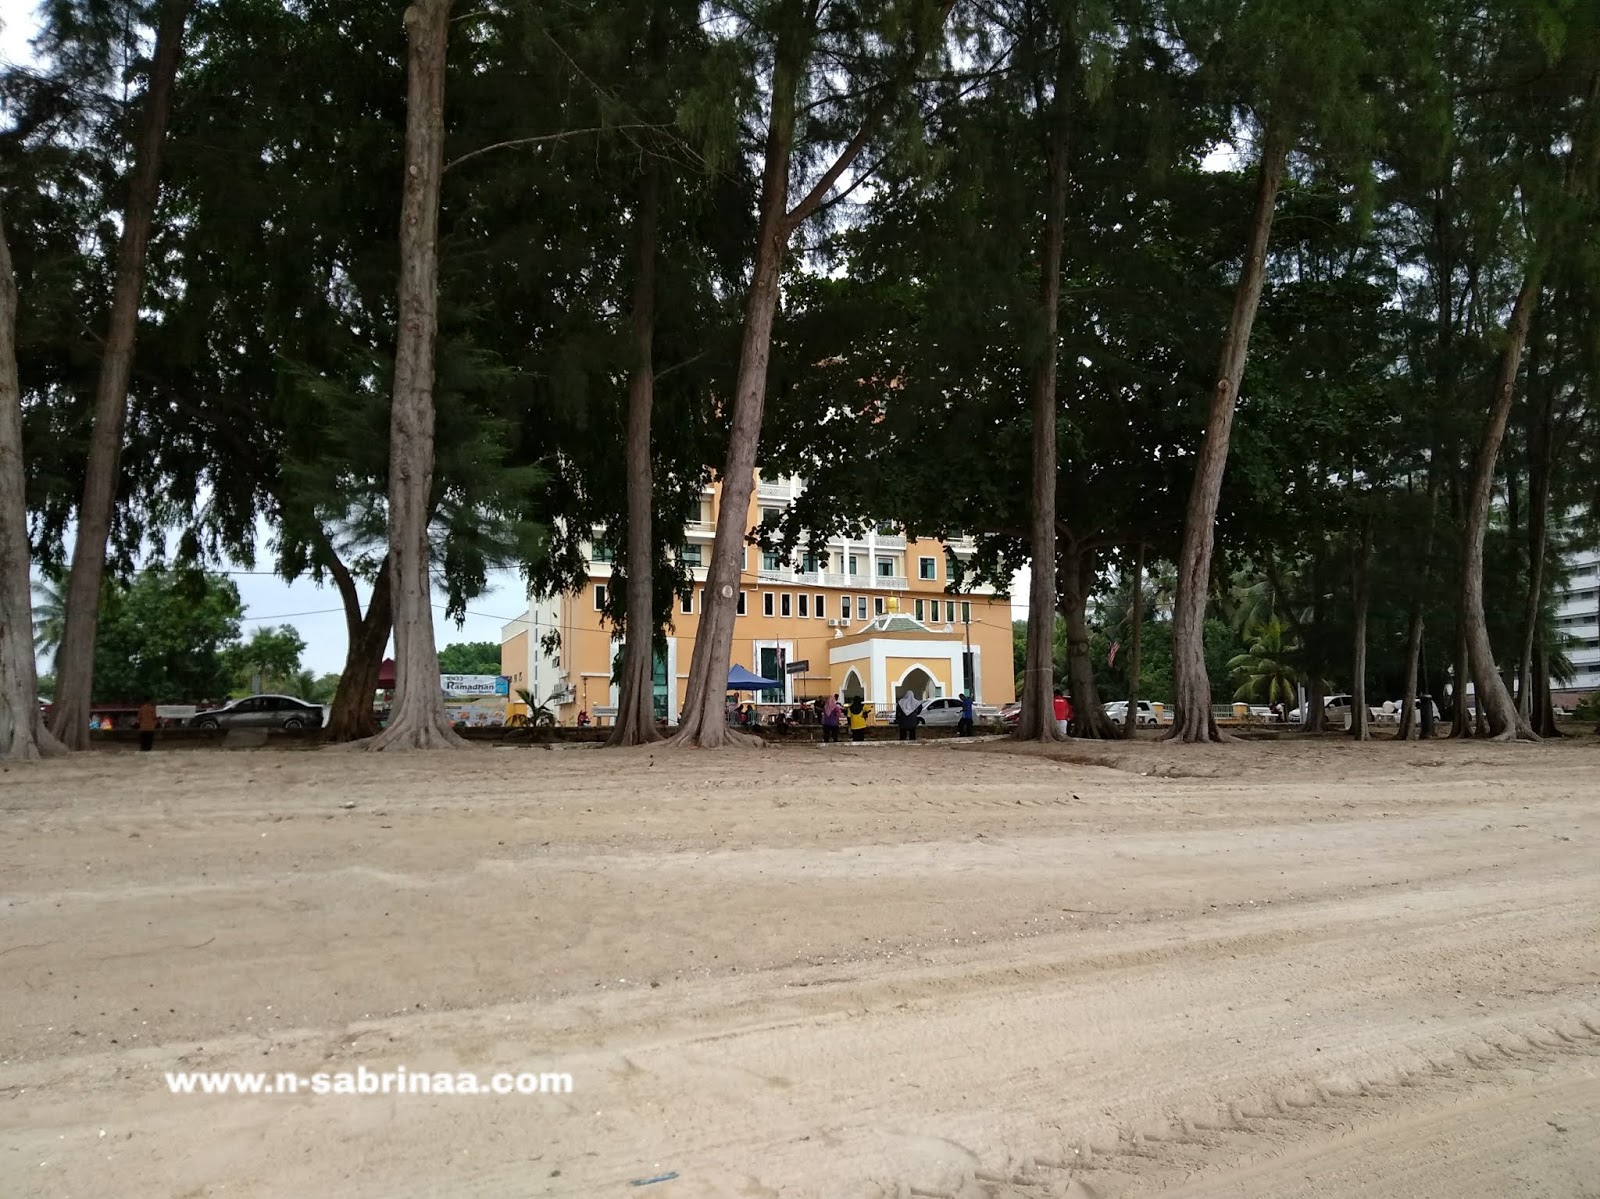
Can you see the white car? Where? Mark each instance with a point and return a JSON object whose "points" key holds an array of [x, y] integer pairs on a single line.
{"points": [[942, 712], [1149, 717]]}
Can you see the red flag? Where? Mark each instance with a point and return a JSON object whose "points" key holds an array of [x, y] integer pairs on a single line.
{"points": [[1111, 658]]}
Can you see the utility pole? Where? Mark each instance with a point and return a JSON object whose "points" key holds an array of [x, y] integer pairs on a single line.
{"points": [[966, 658]]}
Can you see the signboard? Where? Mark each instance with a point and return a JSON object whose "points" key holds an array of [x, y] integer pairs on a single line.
{"points": [[484, 712], [475, 684], [799, 667]]}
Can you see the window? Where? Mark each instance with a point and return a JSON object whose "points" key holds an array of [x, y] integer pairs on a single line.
{"points": [[603, 553], [877, 605], [690, 555], [886, 568], [853, 565], [811, 563], [887, 530], [599, 597], [919, 608], [927, 568], [741, 603], [861, 607], [686, 603], [785, 604], [771, 516], [821, 608], [766, 604], [950, 611], [844, 607], [805, 601], [966, 611], [702, 599], [769, 560]]}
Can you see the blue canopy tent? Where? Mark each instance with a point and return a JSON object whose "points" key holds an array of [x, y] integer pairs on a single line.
{"points": [[740, 679]]}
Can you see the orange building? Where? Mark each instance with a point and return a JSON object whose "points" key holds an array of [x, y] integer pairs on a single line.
{"points": [[871, 617]]}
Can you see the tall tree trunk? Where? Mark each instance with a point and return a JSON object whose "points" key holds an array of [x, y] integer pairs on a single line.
{"points": [[69, 719], [703, 722], [1541, 451], [636, 724], [1410, 723], [1192, 687], [1316, 718], [1410, 720], [1361, 577], [350, 717], [1494, 701], [1075, 575], [1460, 717], [1130, 727], [1544, 708], [417, 720], [1037, 721], [23, 736]]}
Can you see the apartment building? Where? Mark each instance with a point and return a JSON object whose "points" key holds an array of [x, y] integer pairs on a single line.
{"points": [[1578, 616], [872, 617]]}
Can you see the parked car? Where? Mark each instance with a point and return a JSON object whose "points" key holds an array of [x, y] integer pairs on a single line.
{"points": [[1010, 713], [942, 712], [261, 712], [1149, 717]]}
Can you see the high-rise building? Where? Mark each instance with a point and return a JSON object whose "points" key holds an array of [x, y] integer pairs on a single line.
{"points": [[1578, 616], [870, 617]]}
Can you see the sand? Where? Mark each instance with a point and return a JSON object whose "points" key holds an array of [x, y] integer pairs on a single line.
{"points": [[1308, 969]]}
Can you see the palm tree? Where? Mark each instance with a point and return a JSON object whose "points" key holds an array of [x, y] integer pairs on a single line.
{"points": [[49, 615], [1263, 671]]}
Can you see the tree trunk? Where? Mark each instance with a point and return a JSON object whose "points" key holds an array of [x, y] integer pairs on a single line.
{"points": [[1460, 719], [1130, 727], [1410, 723], [1192, 687], [1037, 721], [1532, 692], [1544, 710], [1494, 701], [1074, 576], [69, 719], [350, 717], [703, 722], [1360, 718], [636, 724], [417, 720], [23, 736]]}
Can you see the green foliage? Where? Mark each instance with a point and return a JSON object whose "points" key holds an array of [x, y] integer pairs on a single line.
{"points": [[1263, 671], [470, 657], [269, 661], [168, 636]]}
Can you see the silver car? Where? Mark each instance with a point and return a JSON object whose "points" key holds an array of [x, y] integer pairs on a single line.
{"points": [[261, 712]]}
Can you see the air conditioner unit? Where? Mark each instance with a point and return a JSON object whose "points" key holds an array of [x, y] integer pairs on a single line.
{"points": [[833, 624]]}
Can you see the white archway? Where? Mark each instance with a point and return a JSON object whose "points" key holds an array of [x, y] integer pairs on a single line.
{"points": [[852, 687], [919, 681]]}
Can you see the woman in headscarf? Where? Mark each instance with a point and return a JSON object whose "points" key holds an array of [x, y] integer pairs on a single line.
{"points": [[858, 720], [907, 712]]}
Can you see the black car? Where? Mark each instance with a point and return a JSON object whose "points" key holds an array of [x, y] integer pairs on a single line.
{"points": [[261, 712]]}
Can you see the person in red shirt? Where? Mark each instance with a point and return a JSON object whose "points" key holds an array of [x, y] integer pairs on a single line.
{"points": [[1063, 713]]}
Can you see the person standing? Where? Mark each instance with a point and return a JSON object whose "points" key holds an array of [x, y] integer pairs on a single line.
{"points": [[147, 726], [831, 711], [908, 712], [964, 725], [1063, 712], [858, 720]]}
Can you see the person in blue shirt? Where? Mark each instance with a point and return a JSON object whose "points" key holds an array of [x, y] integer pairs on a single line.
{"points": [[964, 726]]}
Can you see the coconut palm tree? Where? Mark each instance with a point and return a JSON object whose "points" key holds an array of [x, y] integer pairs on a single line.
{"points": [[49, 615], [1263, 671]]}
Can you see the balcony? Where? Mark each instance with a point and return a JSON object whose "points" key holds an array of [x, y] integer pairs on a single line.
{"points": [[775, 576], [774, 491], [891, 541], [891, 583]]}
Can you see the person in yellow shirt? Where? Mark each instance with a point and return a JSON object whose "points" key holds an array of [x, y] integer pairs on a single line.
{"points": [[859, 715]]}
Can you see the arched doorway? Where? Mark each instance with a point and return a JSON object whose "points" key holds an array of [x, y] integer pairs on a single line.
{"points": [[852, 687], [917, 681]]}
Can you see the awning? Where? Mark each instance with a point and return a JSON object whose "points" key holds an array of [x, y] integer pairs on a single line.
{"points": [[740, 679]]}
